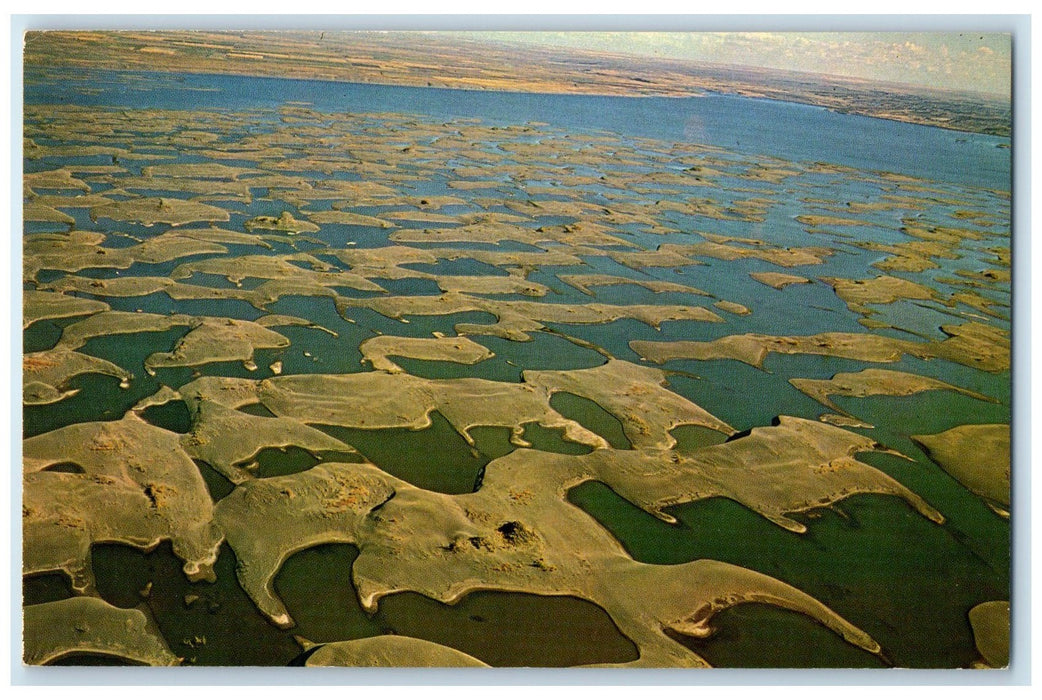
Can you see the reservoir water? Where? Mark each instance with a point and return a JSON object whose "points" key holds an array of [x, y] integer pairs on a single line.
{"points": [[657, 277], [745, 125]]}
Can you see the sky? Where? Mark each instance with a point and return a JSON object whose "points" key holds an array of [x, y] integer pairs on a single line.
{"points": [[956, 60]]}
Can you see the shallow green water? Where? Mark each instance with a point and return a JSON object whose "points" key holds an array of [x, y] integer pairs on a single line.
{"points": [[915, 606], [501, 629], [208, 624], [513, 629], [435, 458], [217, 625], [99, 399], [45, 588], [273, 461], [217, 484], [171, 416], [42, 335], [592, 417], [763, 636]]}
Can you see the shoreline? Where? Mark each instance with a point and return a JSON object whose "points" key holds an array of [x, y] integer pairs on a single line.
{"points": [[382, 60], [745, 94]]}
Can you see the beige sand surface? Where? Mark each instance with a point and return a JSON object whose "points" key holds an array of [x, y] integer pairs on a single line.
{"points": [[391, 651], [874, 382], [136, 487], [86, 625], [991, 632], [978, 456], [158, 210]]}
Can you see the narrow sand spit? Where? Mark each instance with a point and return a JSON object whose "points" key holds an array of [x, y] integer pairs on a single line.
{"points": [[213, 424], [971, 344], [446, 546], [390, 650], [874, 382], [517, 318], [584, 282], [380, 349], [38, 306], [778, 280], [77, 251]]}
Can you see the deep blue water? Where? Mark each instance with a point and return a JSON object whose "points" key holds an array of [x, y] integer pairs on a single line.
{"points": [[745, 125]]}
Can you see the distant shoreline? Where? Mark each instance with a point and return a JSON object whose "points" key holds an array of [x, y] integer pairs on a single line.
{"points": [[426, 60]]}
